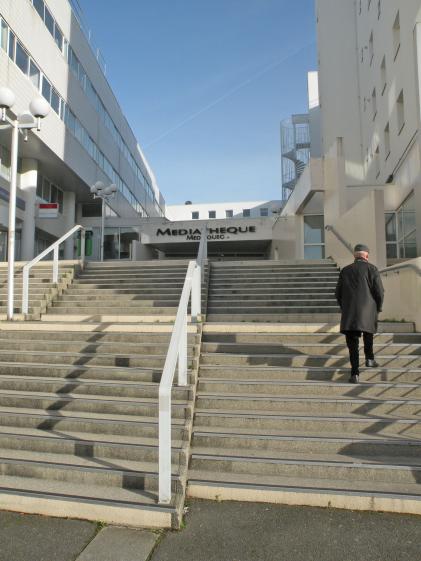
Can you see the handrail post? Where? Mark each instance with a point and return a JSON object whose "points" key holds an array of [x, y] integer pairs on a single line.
{"points": [[25, 289], [182, 354], [55, 264], [196, 296], [82, 247], [164, 445]]}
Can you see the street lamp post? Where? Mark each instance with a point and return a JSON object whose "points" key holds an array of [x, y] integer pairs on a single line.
{"points": [[99, 191], [38, 109]]}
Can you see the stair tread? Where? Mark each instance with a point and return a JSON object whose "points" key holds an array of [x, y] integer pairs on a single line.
{"points": [[85, 415], [84, 437], [250, 413], [79, 492], [304, 398], [296, 435], [71, 461], [301, 483], [239, 454], [89, 397]]}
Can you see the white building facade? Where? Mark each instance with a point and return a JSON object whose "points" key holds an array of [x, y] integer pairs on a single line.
{"points": [[367, 177], [85, 138]]}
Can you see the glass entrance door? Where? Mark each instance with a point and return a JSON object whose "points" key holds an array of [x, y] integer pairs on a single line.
{"points": [[117, 242]]}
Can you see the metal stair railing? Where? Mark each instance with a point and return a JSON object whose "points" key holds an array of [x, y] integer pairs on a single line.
{"points": [[177, 352], [346, 244], [55, 249]]}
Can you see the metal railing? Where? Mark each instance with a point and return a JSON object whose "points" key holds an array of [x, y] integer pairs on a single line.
{"points": [[399, 267], [346, 244], [177, 352], [55, 249]]}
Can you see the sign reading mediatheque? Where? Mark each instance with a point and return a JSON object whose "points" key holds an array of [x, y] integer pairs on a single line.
{"points": [[192, 234]]}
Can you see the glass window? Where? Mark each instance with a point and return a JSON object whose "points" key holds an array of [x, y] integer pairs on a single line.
{"points": [[391, 251], [60, 198], [12, 41], [391, 233], [39, 6], [229, 214], [314, 252], [246, 213], [70, 120], [53, 194], [195, 215], [49, 21], [22, 58], [400, 109], [39, 186], [314, 232], [74, 62], [58, 37], [212, 214], [5, 161], [34, 74], [46, 89], [46, 189], [264, 212], [55, 101], [4, 32]]}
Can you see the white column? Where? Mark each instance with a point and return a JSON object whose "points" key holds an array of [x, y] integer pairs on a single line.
{"points": [[417, 191], [69, 218], [28, 184]]}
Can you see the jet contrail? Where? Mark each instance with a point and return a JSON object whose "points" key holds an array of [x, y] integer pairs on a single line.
{"points": [[229, 93]]}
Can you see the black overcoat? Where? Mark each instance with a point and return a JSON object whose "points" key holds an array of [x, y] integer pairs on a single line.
{"points": [[359, 293]]}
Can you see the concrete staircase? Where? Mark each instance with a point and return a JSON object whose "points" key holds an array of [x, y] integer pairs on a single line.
{"points": [[79, 400], [42, 291], [122, 291], [273, 291], [277, 421]]}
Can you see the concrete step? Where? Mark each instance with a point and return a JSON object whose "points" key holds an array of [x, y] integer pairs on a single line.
{"points": [[406, 472], [294, 360], [104, 310], [127, 507], [322, 349], [147, 299], [266, 274], [93, 337], [82, 359], [323, 424], [85, 422], [292, 316], [86, 403], [85, 290], [339, 405], [275, 304], [74, 469], [258, 296], [262, 311], [280, 445], [86, 372], [98, 447], [310, 373], [303, 338], [120, 283], [333, 493], [105, 388], [120, 303], [258, 387]]}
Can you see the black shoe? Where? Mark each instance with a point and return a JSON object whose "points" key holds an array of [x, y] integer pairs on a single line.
{"points": [[371, 363], [354, 379]]}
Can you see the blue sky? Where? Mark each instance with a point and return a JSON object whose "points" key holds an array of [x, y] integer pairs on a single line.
{"points": [[204, 85]]}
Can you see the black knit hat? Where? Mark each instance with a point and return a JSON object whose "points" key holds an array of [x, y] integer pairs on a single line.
{"points": [[361, 247]]}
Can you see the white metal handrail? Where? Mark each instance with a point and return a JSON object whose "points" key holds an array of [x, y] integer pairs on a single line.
{"points": [[346, 244], [55, 249], [177, 352]]}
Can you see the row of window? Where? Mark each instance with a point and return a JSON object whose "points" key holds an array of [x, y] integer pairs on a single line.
{"points": [[86, 84], [229, 213], [401, 231], [12, 46], [5, 162], [48, 192]]}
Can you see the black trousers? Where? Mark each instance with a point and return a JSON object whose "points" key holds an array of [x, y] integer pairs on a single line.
{"points": [[353, 343]]}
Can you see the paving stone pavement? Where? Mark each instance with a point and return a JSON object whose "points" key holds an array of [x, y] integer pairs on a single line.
{"points": [[120, 544]]}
